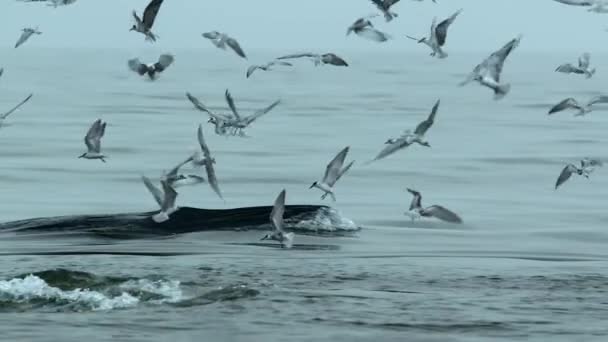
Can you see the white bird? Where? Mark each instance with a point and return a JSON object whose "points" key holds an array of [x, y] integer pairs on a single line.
{"points": [[1, 71], [416, 210], [583, 67], [5, 115], [93, 141], [265, 67], [437, 38], [408, 138], [144, 25], [207, 161], [276, 220], [571, 103], [167, 206], [364, 28], [587, 166], [164, 61], [54, 3], [219, 120], [577, 2], [488, 72], [327, 58], [26, 34], [241, 122], [385, 7], [333, 172], [220, 40]]}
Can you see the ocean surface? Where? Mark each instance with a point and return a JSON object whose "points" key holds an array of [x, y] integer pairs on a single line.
{"points": [[529, 263]]}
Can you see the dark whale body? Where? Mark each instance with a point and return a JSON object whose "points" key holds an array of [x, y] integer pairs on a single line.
{"points": [[141, 225]]}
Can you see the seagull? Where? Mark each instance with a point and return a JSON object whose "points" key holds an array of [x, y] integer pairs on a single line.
{"points": [[220, 40], [328, 58], [333, 172], [438, 35], [582, 68], [408, 138], [27, 33], [207, 161], [240, 123], [266, 67], [571, 103], [164, 61], [487, 73], [5, 115], [587, 166], [278, 225], [93, 141], [384, 6], [577, 2], [417, 211], [145, 26], [364, 28], [220, 121], [176, 179], [167, 205], [54, 3]]}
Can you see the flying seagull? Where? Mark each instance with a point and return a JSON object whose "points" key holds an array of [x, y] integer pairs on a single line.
{"points": [[220, 40], [54, 3], [577, 2], [583, 67], [266, 67], [416, 210], [438, 35], [164, 61], [5, 115], [333, 172], [587, 166], [385, 7], [408, 138], [219, 120], [364, 28], [207, 161], [93, 141], [25, 35], [487, 73], [145, 25], [167, 205], [278, 225], [328, 58], [571, 103], [241, 122]]}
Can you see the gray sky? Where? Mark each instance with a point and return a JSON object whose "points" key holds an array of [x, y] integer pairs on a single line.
{"points": [[302, 25]]}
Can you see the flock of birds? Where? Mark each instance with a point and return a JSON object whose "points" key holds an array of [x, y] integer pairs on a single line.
{"points": [[487, 73]]}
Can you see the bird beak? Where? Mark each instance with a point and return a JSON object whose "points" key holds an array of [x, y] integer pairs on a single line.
{"points": [[312, 186]]}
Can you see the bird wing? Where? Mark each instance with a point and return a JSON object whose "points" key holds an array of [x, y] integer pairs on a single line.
{"points": [[443, 214], [441, 31], [588, 162], [24, 36], [261, 112], [392, 148], [565, 174], [390, 3], [576, 2], [1, 71], [92, 139], [497, 59], [569, 68], [416, 200], [563, 105], [137, 66], [598, 99], [198, 104], [150, 12], [172, 174], [333, 59], [211, 177], [5, 115], [231, 104], [156, 192], [342, 172], [234, 45], [169, 196], [275, 62], [276, 216], [251, 69], [332, 171], [202, 143], [583, 60], [380, 4], [372, 34], [164, 61], [300, 55], [426, 124], [212, 35]]}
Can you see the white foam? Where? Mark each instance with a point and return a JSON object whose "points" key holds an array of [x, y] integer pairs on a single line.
{"points": [[169, 289], [327, 219]]}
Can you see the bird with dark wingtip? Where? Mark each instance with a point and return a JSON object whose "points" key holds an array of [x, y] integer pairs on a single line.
{"points": [[221, 40], [416, 210], [164, 61], [587, 166], [144, 25], [327, 58]]}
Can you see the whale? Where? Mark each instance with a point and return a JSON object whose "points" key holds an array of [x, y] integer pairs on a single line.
{"points": [[303, 219]]}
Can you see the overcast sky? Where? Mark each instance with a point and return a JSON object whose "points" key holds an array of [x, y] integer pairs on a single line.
{"points": [[306, 24]]}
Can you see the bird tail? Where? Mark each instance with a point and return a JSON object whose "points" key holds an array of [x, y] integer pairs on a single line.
{"points": [[288, 242], [501, 91], [160, 217], [590, 73]]}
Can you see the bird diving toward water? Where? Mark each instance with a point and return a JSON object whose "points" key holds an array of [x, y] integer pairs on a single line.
{"points": [[587, 166], [385, 8], [265, 67], [276, 220], [328, 58], [25, 35], [583, 109], [333, 173], [488, 72], [583, 67], [241, 122], [165, 199], [164, 61], [364, 28], [408, 138], [5, 115], [220, 40], [416, 210], [54, 3], [93, 141], [144, 25], [438, 35], [207, 161]]}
